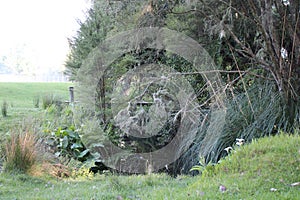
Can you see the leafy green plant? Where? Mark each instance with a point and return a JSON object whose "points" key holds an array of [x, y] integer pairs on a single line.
{"points": [[81, 170], [4, 108], [199, 168], [204, 168], [20, 152], [67, 143]]}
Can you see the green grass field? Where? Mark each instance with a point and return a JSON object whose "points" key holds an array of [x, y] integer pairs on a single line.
{"points": [[264, 169], [22, 95], [21, 98]]}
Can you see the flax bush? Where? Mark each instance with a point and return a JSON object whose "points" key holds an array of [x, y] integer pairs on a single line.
{"points": [[256, 113]]}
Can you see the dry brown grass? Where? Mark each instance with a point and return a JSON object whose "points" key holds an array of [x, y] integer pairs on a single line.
{"points": [[46, 168], [21, 152], [25, 152]]}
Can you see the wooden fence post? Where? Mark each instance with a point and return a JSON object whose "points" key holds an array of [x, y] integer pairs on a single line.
{"points": [[71, 89]]}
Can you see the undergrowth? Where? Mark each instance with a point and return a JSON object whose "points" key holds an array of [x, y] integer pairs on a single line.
{"points": [[264, 169]]}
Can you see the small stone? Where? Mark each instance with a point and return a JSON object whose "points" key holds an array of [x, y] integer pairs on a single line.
{"points": [[273, 189]]}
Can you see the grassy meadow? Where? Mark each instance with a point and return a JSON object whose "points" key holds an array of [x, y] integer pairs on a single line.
{"points": [[21, 99], [22, 95], [268, 168]]}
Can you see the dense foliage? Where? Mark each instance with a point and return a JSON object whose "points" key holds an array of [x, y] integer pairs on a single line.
{"points": [[67, 143], [254, 44]]}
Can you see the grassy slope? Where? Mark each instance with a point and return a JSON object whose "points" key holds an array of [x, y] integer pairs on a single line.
{"points": [[20, 98], [249, 173]]}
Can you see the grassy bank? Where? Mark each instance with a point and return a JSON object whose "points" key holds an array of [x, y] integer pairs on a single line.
{"points": [[264, 169]]}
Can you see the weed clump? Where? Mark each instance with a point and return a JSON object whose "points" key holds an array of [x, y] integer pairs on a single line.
{"points": [[36, 101], [20, 152], [4, 108], [49, 100]]}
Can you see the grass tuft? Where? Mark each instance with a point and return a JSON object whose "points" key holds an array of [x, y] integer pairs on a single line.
{"points": [[4, 108], [20, 152], [36, 101], [48, 100]]}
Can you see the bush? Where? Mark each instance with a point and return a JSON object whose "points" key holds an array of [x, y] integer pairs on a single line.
{"points": [[49, 99], [256, 113], [4, 108], [20, 152]]}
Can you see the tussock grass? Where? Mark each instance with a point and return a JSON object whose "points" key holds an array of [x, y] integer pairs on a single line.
{"points": [[20, 152], [50, 100]]}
